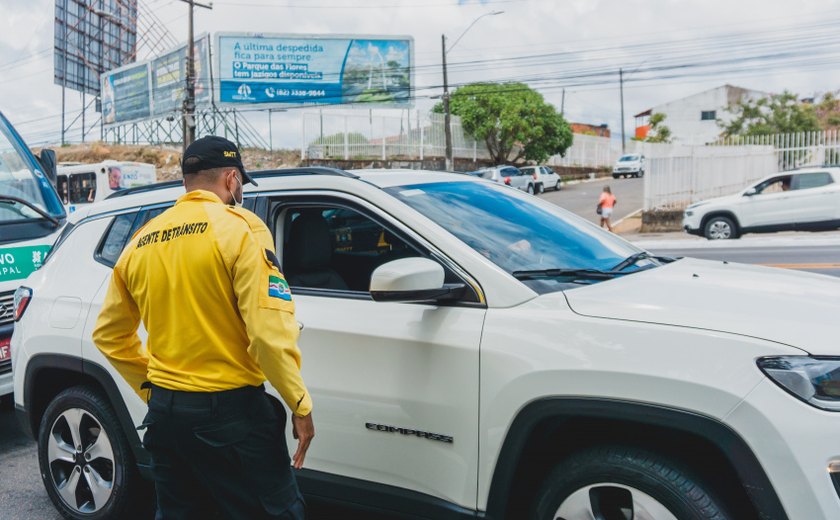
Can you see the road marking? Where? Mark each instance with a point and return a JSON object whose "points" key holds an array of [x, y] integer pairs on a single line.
{"points": [[804, 266]]}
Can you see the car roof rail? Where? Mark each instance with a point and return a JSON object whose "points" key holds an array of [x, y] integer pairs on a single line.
{"points": [[306, 170], [259, 174], [143, 189]]}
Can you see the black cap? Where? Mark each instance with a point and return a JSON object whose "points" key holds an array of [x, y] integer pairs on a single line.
{"points": [[214, 152]]}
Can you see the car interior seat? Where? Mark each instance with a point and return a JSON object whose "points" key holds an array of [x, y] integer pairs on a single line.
{"points": [[308, 253]]}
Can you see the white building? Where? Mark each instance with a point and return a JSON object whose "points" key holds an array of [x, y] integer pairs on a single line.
{"points": [[693, 119]]}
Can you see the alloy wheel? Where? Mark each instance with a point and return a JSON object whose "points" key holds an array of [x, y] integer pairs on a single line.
{"points": [[610, 501], [81, 461]]}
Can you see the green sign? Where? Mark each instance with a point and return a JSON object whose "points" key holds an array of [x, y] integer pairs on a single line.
{"points": [[19, 262]]}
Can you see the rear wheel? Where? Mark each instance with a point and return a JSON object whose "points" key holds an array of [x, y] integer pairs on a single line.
{"points": [[720, 228], [86, 462], [620, 483], [531, 189]]}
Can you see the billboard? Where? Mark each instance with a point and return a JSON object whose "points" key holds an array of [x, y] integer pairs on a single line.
{"points": [[169, 73], [90, 37], [155, 88], [288, 69]]}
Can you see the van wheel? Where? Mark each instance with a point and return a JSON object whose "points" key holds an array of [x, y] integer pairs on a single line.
{"points": [[85, 459], [624, 483], [720, 228], [531, 189], [557, 186]]}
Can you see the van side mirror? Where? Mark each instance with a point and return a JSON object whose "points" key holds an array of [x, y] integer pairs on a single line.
{"points": [[750, 192], [48, 162], [412, 280]]}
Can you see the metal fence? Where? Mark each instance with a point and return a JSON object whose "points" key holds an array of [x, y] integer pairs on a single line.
{"points": [[796, 149], [674, 181], [679, 175], [369, 136]]}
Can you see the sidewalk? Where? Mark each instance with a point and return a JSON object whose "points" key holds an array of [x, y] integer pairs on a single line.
{"points": [[629, 227]]}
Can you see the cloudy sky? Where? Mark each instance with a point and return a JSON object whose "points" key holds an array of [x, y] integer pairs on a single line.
{"points": [[669, 49]]}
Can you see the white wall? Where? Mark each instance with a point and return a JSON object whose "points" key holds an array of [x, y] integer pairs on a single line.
{"points": [[683, 115]]}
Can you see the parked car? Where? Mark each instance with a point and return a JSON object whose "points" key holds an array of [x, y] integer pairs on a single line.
{"points": [[543, 177], [801, 200], [508, 175], [474, 352], [630, 165]]}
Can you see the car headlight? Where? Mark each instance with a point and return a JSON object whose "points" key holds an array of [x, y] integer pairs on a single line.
{"points": [[815, 380], [689, 213]]}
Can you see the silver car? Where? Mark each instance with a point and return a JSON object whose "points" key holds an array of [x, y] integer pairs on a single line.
{"points": [[509, 175]]}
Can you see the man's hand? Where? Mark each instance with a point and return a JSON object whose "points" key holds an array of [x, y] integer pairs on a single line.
{"points": [[304, 430]]}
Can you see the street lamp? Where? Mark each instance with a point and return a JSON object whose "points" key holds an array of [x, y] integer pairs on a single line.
{"points": [[446, 114]]}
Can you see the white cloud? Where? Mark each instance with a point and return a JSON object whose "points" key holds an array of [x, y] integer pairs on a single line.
{"points": [[530, 27]]}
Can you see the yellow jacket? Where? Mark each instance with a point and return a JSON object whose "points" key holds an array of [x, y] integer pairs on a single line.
{"points": [[203, 278]]}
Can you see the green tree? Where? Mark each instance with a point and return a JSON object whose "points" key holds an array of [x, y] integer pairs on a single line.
{"points": [[828, 111], [775, 114], [659, 133], [514, 121]]}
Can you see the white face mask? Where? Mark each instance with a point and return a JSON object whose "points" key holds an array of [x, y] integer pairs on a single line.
{"points": [[237, 203]]}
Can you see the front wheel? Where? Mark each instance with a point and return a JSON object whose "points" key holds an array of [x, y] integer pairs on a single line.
{"points": [[86, 462], [720, 228], [557, 186], [624, 483]]}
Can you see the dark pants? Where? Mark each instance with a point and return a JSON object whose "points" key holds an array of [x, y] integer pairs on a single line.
{"points": [[220, 454]]}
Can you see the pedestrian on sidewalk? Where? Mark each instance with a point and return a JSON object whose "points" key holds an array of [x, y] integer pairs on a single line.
{"points": [[204, 279], [605, 207]]}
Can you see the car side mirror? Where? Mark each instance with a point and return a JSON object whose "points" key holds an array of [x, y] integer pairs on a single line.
{"points": [[48, 162], [750, 192], [412, 280]]}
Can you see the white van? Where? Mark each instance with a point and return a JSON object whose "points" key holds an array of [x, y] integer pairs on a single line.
{"points": [[86, 183]]}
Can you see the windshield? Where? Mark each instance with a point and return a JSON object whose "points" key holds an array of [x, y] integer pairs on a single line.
{"points": [[629, 158], [19, 180], [516, 232]]}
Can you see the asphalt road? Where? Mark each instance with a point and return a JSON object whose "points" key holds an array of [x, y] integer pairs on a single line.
{"points": [[581, 198], [815, 259]]}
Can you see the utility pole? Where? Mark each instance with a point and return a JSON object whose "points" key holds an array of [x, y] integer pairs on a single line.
{"points": [[447, 116], [563, 103], [621, 90], [189, 98], [447, 130]]}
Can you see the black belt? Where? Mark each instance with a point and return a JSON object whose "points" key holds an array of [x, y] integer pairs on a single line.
{"points": [[203, 398]]}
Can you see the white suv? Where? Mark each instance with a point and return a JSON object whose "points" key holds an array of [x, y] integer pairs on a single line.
{"points": [[799, 200], [475, 352], [543, 177]]}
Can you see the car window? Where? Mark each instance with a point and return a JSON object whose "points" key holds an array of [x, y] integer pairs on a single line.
{"points": [[120, 232], [115, 239], [335, 247], [511, 172], [805, 181], [628, 158], [547, 171], [513, 231], [774, 185]]}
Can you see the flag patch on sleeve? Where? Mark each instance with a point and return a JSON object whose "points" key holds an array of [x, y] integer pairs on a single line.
{"points": [[278, 288]]}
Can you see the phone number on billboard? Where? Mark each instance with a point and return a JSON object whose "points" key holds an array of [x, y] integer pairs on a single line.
{"points": [[298, 93]]}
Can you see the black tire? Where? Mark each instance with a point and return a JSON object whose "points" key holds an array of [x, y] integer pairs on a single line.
{"points": [[608, 472], [720, 227], [641, 173], [540, 189], [530, 189], [130, 496], [615, 176], [557, 186]]}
